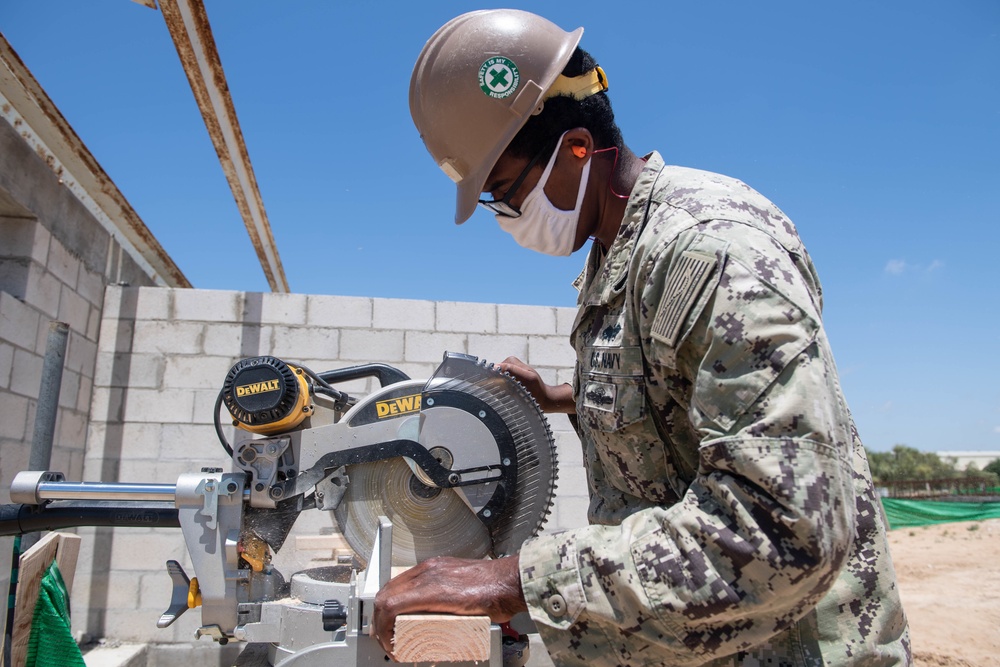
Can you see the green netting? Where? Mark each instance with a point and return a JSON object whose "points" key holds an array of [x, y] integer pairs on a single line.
{"points": [[51, 642], [903, 513]]}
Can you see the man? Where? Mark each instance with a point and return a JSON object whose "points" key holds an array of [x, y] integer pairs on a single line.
{"points": [[732, 510]]}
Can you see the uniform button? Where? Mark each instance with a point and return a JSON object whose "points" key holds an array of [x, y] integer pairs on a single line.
{"points": [[556, 605]]}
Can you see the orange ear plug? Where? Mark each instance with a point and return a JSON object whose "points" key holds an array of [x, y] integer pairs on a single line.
{"points": [[579, 151]]}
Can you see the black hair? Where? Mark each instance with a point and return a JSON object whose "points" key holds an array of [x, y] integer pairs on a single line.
{"points": [[564, 113]]}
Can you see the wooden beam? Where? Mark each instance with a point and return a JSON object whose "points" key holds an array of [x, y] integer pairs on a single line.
{"points": [[441, 638]]}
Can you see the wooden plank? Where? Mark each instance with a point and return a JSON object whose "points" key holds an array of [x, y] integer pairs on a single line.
{"points": [[441, 638], [33, 564], [66, 557], [64, 548]]}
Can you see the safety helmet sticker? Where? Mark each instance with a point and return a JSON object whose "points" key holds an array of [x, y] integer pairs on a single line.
{"points": [[498, 77]]}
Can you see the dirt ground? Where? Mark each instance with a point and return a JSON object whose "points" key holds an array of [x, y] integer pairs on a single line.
{"points": [[949, 579]]}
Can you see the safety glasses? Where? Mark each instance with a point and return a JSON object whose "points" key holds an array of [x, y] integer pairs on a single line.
{"points": [[503, 206]]}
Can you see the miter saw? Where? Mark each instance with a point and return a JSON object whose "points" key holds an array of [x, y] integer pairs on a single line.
{"points": [[462, 464]]}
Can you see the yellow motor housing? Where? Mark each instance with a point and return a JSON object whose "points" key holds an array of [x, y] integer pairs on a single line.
{"points": [[266, 395]]}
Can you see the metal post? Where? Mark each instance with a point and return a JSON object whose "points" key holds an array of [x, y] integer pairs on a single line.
{"points": [[48, 396], [48, 405]]}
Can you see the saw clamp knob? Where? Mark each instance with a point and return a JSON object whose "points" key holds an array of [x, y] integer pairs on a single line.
{"points": [[334, 615]]}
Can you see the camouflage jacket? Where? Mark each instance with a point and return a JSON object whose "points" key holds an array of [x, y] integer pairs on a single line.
{"points": [[733, 515]]}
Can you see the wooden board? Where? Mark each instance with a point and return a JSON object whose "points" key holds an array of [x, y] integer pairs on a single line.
{"points": [[64, 549], [441, 638]]}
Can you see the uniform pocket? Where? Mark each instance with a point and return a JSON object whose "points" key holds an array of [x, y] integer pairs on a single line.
{"points": [[609, 403]]}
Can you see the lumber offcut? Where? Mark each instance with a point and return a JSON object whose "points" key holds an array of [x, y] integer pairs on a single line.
{"points": [[441, 638]]}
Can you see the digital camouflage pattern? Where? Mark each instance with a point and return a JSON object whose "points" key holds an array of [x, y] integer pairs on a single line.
{"points": [[735, 518]]}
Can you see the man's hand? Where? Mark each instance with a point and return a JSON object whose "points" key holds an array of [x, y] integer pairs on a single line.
{"points": [[449, 586], [550, 398]]}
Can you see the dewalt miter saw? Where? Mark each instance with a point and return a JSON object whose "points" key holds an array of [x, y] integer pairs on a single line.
{"points": [[461, 464]]}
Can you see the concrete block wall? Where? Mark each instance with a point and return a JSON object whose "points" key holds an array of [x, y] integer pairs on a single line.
{"points": [[161, 359], [55, 260], [40, 282]]}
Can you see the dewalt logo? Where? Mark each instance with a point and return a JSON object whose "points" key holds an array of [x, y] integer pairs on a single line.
{"points": [[398, 406], [257, 388]]}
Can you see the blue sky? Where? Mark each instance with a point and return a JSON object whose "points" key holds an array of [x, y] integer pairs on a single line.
{"points": [[874, 126]]}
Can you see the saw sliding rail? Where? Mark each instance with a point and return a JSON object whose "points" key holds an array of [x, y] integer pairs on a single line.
{"points": [[45, 501]]}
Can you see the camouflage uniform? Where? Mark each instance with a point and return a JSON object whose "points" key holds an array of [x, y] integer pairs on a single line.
{"points": [[734, 516]]}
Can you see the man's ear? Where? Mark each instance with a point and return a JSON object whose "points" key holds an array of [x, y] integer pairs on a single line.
{"points": [[580, 141]]}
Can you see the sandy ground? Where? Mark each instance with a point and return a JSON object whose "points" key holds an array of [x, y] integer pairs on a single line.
{"points": [[949, 579]]}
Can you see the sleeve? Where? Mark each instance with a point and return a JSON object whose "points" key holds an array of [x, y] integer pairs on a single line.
{"points": [[764, 528]]}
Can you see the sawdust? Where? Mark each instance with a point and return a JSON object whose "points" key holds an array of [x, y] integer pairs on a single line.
{"points": [[949, 579]]}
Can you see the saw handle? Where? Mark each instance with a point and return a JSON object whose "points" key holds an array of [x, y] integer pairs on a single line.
{"points": [[386, 374]]}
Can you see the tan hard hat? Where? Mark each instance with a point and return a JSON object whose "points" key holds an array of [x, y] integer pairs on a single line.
{"points": [[476, 82]]}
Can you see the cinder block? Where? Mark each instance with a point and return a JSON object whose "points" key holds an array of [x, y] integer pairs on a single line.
{"points": [[570, 513], [550, 351], [18, 322], [83, 396], [207, 305], [287, 309], [93, 329], [116, 335], [132, 551], [81, 354], [120, 369], [338, 311], [90, 286], [367, 345], [431, 347], [63, 264], [572, 480], [565, 317], [115, 441], [195, 372], [108, 404], [69, 389], [496, 348], [71, 429], [148, 405], [168, 337], [74, 310], [6, 363], [560, 423], [26, 373], [294, 343], [472, 317], [403, 314], [204, 403], [526, 319], [25, 238], [112, 304], [42, 290], [151, 303], [14, 409], [224, 340], [189, 442]]}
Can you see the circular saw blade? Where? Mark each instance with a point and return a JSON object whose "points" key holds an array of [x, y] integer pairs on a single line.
{"points": [[528, 506], [426, 522]]}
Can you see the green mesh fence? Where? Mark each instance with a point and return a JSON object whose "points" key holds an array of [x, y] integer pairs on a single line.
{"points": [[904, 513], [51, 642]]}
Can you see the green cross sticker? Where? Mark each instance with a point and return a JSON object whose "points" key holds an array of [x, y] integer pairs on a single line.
{"points": [[498, 77]]}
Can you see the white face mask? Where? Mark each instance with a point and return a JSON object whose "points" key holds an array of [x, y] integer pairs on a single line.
{"points": [[543, 227]]}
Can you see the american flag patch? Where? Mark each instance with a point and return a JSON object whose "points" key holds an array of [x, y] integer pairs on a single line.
{"points": [[683, 286]]}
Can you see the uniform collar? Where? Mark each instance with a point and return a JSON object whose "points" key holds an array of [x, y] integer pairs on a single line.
{"points": [[603, 277]]}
